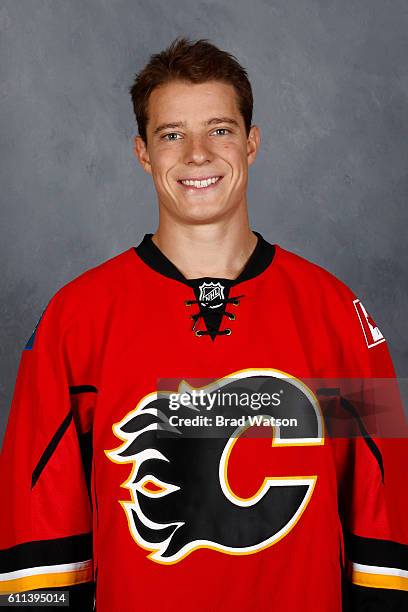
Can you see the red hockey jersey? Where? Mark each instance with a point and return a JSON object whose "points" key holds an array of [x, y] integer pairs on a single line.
{"points": [[135, 476]]}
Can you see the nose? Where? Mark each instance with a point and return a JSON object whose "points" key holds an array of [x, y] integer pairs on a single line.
{"points": [[197, 151]]}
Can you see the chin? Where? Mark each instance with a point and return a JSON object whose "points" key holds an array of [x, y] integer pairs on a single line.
{"points": [[199, 211], [202, 213]]}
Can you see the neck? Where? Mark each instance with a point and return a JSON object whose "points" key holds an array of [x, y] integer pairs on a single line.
{"points": [[216, 249]]}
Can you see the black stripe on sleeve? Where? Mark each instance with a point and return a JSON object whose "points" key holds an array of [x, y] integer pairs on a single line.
{"points": [[71, 549], [369, 551], [85, 440], [348, 407], [45, 457], [375, 600], [367, 438]]}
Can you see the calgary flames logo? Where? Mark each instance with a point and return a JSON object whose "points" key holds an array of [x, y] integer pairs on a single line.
{"points": [[181, 497]]}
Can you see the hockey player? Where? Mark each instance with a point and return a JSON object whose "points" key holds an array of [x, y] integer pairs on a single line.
{"points": [[111, 499]]}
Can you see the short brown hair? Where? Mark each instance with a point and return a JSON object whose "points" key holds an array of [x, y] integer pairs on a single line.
{"points": [[194, 61]]}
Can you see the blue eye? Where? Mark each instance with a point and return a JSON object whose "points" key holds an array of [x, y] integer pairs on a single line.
{"points": [[170, 134]]}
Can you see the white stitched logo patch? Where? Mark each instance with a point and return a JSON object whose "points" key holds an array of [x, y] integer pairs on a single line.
{"points": [[211, 292], [372, 334]]}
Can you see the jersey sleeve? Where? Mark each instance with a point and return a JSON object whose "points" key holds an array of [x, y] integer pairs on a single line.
{"points": [[372, 473], [46, 539]]}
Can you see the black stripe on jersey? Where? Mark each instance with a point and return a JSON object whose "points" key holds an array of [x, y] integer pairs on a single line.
{"points": [[348, 406], [85, 440], [45, 457], [71, 549], [369, 551], [75, 389], [375, 600], [367, 438]]}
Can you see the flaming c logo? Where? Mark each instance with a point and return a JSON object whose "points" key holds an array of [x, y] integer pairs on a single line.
{"points": [[181, 498]]}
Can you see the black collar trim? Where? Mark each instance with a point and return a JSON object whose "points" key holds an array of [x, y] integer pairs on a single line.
{"points": [[261, 257]]}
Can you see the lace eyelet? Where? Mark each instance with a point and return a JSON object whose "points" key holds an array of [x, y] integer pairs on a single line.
{"points": [[198, 332], [231, 316], [188, 302], [228, 331], [235, 303]]}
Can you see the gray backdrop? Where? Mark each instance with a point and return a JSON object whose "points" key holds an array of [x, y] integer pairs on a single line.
{"points": [[330, 81]]}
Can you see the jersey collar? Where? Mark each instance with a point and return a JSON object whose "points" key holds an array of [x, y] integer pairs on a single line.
{"points": [[261, 257]]}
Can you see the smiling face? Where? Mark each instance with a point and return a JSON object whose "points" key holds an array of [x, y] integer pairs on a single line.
{"points": [[198, 152]]}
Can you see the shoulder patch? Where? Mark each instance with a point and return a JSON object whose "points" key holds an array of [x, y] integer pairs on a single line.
{"points": [[372, 334]]}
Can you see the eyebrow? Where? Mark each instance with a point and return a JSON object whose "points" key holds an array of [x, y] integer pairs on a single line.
{"points": [[213, 121]]}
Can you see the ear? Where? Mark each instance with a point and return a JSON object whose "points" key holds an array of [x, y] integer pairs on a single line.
{"points": [[253, 143], [142, 154]]}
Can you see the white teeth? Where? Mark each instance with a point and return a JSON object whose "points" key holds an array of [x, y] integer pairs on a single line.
{"points": [[200, 184]]}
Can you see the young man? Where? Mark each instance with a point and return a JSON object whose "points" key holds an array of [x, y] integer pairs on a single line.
{"points": [[132, 462]]}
